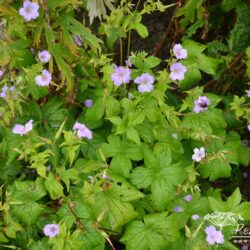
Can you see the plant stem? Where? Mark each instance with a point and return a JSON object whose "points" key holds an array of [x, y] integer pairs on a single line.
{"points": [[121, 50]]}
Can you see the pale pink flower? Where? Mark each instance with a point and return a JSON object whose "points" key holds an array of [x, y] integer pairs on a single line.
{"points": [[44, 79], [22, 129], [51, 230], [29, 10], [214, 236], [44, 56], [179, 52], [82, 130], [199, 154]]}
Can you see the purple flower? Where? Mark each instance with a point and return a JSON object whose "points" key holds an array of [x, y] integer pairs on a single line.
{"points": [[248, 127], [201, 104], [44, 56], [145, 82], [195, 217], [244, 247], [199, 154], [29, 10], [77, 40], [88, 103], [179, 52], [23, 129], [248, 93], [3, 94], [82, 130], [214, 236], [121, 75], [188, 197], [44, 79], [178, 209], [177, 71], [51, 230]]}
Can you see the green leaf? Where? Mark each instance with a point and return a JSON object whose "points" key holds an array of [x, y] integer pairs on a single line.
{"points": [[54, 187], [215, 169], [113, 201], [234, 200], [155, 232], [122, 151], [162, 180], [133, 135]]}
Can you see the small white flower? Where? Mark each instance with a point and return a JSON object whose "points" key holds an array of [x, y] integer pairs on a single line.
{"points": [[199, 154]]}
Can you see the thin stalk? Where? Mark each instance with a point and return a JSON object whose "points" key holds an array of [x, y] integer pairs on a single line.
{"points": [[121, 50]]}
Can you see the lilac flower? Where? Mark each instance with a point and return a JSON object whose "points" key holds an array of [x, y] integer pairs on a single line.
{"points": [[177, 71], [248, 127], [179, 52], [195, 216], [77, 40], [248, 93], [88, 103], [44, 56], [23, 129], [12, 88], [199, 154], [51, 230], [244, 247], [44, 79], [121, 75], [178, 209], [188, 197], [214, 236], [3, 94], [29, 10], [82, 130], [145, 82], [201, 104]]}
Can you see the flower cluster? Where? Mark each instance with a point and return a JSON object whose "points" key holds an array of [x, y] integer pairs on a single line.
{"points": [[201, 104], [5, 89], [177, 69], [145, 82], [29, 10], [51, 230], [82, 130], [214, 236], [199, 154], [23, 129]]}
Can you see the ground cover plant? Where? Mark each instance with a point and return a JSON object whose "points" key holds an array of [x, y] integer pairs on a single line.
{"points": [[124, 124]]}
